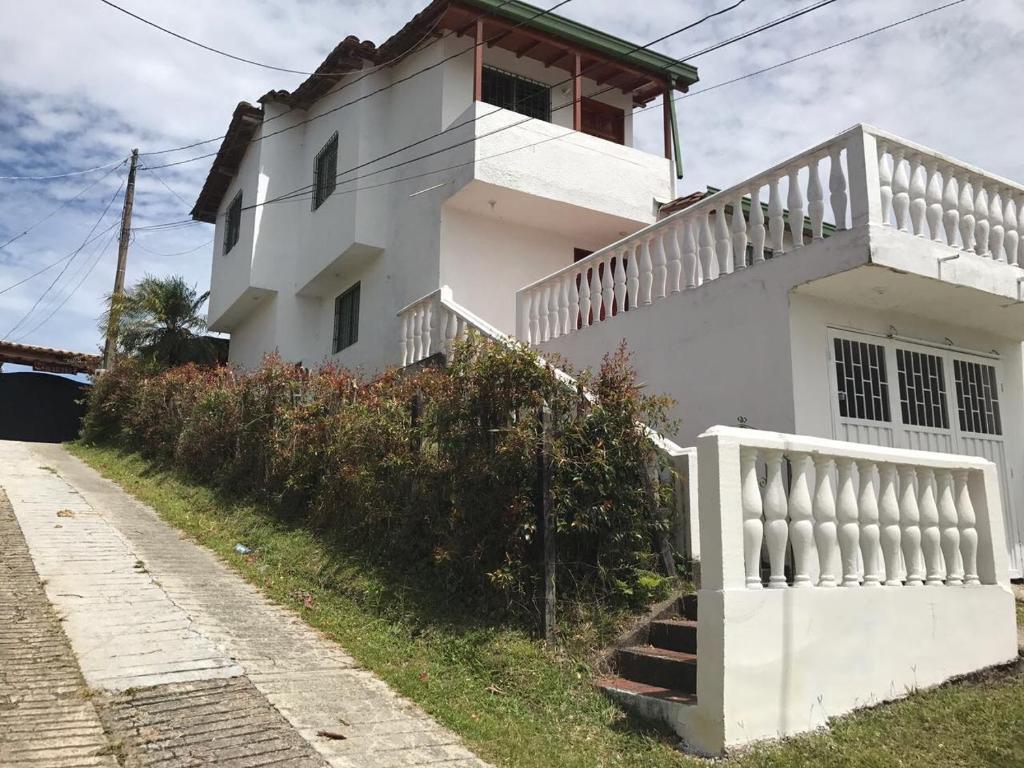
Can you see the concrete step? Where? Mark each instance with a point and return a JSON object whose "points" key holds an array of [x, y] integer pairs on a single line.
{"points": [[658, 667], [622, 685], [674, 635]]}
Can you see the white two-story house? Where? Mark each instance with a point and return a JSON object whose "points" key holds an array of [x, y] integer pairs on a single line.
{"points": [[869, 289]]}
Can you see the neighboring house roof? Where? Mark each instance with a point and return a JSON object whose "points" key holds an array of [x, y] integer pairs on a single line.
{"points": [[46, 359], [509, 24]]}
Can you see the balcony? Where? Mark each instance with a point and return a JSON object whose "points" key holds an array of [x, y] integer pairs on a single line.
{"points": [[553, 178], [866, 218]]}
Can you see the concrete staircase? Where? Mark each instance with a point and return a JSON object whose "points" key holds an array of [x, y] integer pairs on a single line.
{"points": [[655, 669]]}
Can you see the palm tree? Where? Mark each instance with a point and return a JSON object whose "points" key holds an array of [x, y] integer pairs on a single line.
{"points": [[158, 320]]}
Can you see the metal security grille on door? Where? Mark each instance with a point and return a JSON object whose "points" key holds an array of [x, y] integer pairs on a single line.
{"points": [[977, 398], [862, 380], [922, 389]]}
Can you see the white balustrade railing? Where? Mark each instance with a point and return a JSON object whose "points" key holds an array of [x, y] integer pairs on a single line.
{"points": [[789, 512], [863, 176], [430, 326]]}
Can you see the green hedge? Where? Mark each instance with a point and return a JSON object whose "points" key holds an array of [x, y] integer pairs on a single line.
{"points": [[452, 491]]}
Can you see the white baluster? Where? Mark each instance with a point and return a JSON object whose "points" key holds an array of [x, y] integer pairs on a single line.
{"points": [[583, 292], [691, 265], [659, 265], [610, 283], [849, 527], [563, 305], [428, 329], [596, 304], [403, 323], [815, 201], [574, 302], [673, 257], [910, 527], [723, 244], [889, 522], [982, 227], [753, 527], [775, 512], [837, 189], [757, 232], [444, 319], [450, 329], [930, 536], [534, 309], [542, 312], [900, 191], [619, 287], [632, 279], [951, 207], [706, 250], [801, 527], [867, 503], [966, 208], [417, 334], [739, 235], [795, 201], [997, 233], [933, 200], [1011, 240], [884, 183], [968, 531], [1020, 234], [825, 533], [918, 192], [949, 529], [554, 299], [776, 220], [646, 272]]}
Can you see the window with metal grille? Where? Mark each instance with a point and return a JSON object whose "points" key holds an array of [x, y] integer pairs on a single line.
{"points": [[346, 319], [862, 381], [922, 389], [233, 223], [325, 171], [508, 91], [977, 398]]}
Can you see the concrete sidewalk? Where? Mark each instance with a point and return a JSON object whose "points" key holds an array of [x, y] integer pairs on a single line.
{"points": [[154, 619]]}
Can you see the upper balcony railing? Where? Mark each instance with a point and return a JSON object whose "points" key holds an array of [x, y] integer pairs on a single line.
{"points": [[863, 176]]}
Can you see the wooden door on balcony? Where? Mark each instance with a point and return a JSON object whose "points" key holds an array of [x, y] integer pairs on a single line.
{"points": [[604, 121], [900, 394]]}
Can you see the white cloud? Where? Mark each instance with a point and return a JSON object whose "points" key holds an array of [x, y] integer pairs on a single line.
{"points": [[82, 84]]}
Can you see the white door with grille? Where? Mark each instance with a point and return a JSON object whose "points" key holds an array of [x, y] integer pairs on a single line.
{"points": [[896, 393]]}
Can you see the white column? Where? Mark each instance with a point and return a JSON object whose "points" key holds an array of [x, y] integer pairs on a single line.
{"points": [[968, 528], [753, 527], [889, 522], [849, 527], [757, 233], [775, 512], [949, 530], [801, 527], [825, 533], [930, 537], [867, 504], [910, 523]]}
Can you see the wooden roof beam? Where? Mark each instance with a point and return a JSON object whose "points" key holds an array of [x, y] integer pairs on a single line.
{"points": [[530, 47]]}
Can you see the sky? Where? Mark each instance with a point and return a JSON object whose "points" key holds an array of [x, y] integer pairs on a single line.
{"points": [[82, 84]]}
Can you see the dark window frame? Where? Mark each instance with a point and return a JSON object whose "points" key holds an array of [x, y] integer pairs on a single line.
{"points": [[233, 223], [325, 171], [508, 90], [346, 318]]}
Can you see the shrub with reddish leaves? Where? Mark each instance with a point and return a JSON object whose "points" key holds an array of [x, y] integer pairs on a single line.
{"points": [[434, 468]]}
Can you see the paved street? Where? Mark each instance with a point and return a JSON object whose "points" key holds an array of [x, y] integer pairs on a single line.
{"points": [[123, 643]]}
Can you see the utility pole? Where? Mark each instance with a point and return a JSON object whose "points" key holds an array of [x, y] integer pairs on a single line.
{"points": [[110, 349]]}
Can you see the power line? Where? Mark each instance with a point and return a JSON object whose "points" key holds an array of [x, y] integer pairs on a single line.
{"points": [[59, 207], [84, 276], [63, 175], [644, 109], [795, 59], [170, 255], [68, 264], [372, 93]]}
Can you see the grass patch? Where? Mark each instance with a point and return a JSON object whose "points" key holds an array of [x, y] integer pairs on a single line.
{"points": [[515, 701]]}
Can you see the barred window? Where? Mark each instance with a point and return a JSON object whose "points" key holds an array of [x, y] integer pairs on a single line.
{"points": [[346, 319], [977, 398], [233, 223], [519, 94], [325, 171], [862, 381], [922, 389]]}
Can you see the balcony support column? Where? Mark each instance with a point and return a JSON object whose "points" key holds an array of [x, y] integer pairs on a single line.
{"points": [[478, 61], [577, 93]]}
